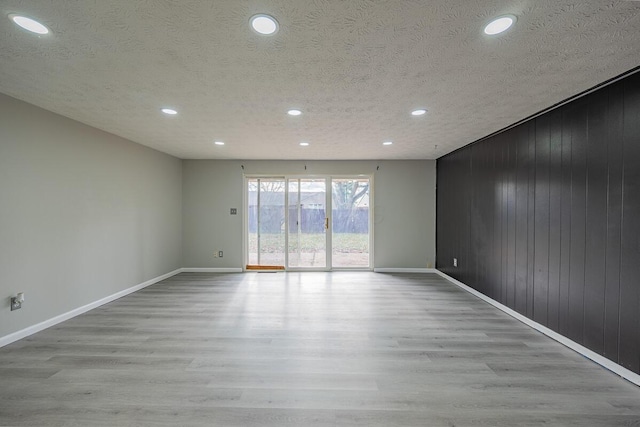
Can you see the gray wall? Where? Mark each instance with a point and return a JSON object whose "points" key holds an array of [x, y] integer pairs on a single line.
{"points": [[83, 214], [404, 208]]}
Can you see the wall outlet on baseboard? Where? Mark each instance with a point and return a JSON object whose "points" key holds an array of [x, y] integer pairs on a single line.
{"points": [[455, 262], [220, 254]]}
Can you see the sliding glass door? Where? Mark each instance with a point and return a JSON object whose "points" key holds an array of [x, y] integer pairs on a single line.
{"points": [[266, 223], [350, 213], [308, 223]]}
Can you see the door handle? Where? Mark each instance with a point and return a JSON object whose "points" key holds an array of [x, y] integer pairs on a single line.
{"points": [[326, 223]]}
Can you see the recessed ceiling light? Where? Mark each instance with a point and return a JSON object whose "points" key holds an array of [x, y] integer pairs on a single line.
{"points": [[387, 143], [169, 111], [304, 144], [294, 112], [500, 25], [264, 24], [418, 112], [219, 142], [29, 24]]}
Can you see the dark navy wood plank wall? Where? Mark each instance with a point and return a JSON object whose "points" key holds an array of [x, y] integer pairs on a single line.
{"points": [[545, 218]]}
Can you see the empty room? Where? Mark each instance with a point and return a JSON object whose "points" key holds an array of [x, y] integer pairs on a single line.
{"points": [[320, 213]]}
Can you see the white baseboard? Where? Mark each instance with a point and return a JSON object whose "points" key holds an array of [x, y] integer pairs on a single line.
{"points": [[404, 270], [211, 270], [589, 354], [8, 339]]}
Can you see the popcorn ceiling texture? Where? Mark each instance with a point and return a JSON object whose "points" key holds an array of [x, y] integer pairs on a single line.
{"points": [[356, 68]]}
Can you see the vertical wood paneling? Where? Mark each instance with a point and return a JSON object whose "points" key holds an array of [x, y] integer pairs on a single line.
{"points": [[565, 225], [531, 206], [578, 120], [495, 274], [615, 118], [541, 222], [555, 217], [545, 218], [630, 244], [522, 209], [449, 173], [464, 224], [596, 236], [511, 218], [475, 224], [503, 170], [472, 269]]}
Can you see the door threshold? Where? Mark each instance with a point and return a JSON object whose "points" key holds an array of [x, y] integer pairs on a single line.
{"points": [[265, 268]]}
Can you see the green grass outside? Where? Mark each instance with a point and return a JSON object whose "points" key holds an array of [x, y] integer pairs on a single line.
{"points": [[342, 242]]}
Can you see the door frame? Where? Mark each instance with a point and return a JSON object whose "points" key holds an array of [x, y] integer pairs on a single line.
{"points": [[328, 213]]}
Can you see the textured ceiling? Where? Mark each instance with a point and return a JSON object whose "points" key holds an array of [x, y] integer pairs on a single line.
{"points": [[355, 67]]}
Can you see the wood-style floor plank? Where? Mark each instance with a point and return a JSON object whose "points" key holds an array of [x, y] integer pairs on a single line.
{"points": [[304, 349]]}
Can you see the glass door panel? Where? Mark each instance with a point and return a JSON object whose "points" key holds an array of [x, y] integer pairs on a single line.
{"points": [[350, 222], [266, 222], [289, 221], [307, 223]]}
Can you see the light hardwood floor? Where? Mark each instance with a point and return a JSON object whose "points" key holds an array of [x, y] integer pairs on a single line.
{"points": [[304, 349]]}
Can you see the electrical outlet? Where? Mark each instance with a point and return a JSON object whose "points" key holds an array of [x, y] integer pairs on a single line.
{"points": [[455, 262], [233, 211], [219, 254], [16, 304], [215, 254]]}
